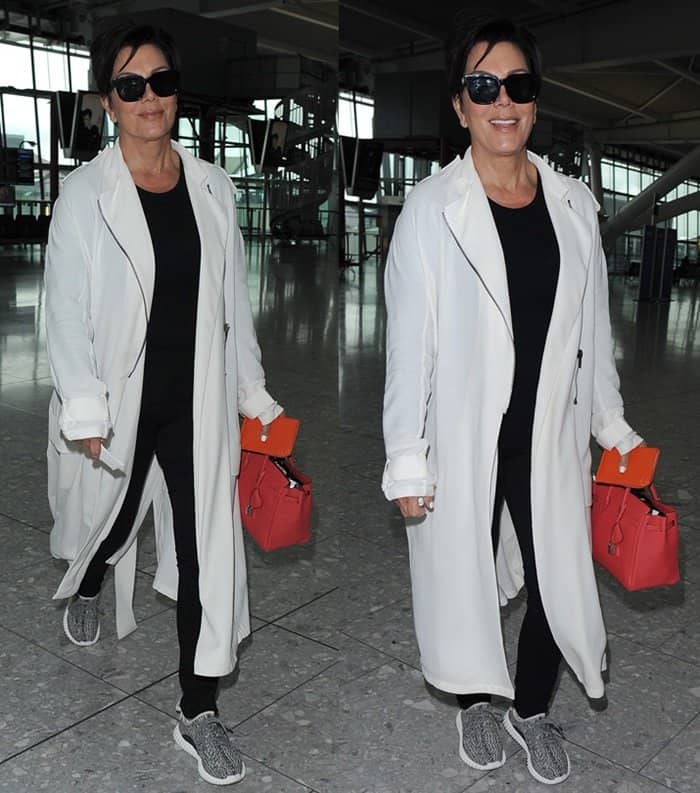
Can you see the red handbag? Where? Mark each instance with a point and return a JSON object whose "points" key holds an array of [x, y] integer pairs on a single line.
{"points": [[635, 536], [276, 500]]}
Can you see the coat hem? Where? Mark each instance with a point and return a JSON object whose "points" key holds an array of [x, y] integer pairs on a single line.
{"points": [[216, 671], [461, 688], [594, 693]]}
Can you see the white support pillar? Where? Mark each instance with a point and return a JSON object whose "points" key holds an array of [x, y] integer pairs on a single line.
{"points": [[628, 216], [671, 209], [595, 170]]}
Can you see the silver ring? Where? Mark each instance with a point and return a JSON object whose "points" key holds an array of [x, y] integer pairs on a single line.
{"points": [[421, 501]]}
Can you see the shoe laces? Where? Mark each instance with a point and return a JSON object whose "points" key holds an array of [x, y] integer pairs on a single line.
{"points": [[548, 734], [217, 734], [483, 714]]}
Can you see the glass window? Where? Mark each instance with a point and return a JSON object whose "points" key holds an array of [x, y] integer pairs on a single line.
{"points": [[51, 69], [365, 120], [620, 178], [682, 226], [634, 247], [692, 225], [20, 122], [44, 109], [15, 66], [606, 175], [635, 181], [346, 118], [79, 68], [364, 112]]}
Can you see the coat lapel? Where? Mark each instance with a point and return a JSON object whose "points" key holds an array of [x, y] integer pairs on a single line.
{"points": [[213, 225], [212, 222], [121, 209], [471, 223], [573, 234]]}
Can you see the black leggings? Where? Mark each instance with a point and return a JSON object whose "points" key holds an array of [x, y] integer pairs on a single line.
{"points": [[166, 431], [538, 655]]}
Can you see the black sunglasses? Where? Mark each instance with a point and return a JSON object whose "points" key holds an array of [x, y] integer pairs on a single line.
{"points": [[131, 87], [483, 88]]}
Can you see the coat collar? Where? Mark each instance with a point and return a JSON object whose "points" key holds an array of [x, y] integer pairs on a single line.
{"points": [[121, 209], [470, 220]]}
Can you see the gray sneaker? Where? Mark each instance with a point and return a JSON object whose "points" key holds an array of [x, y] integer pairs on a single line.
{"points": [[479, 737], [81, 620], [205, 738], [547, 759]]}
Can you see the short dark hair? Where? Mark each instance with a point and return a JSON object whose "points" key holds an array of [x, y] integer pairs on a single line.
{"points": [[492, 31], [107, 45]]}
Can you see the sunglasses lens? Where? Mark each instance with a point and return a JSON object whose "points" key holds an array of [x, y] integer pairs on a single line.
{"points": [[130, 87], [165, 83], [522, 88], [482, 88]]}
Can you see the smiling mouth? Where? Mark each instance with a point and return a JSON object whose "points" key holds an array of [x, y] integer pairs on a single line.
{"points": [[504, 122]]}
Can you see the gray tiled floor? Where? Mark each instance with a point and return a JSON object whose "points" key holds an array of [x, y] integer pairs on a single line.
{"points": [[327, 697]]}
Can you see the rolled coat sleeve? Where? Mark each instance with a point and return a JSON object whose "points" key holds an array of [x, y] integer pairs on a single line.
{"points": [[607, 422], [69, 331], [410, 353], [243, 355]]}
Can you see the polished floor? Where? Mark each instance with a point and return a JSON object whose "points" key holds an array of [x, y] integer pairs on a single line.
{"points": [[328, 696]]}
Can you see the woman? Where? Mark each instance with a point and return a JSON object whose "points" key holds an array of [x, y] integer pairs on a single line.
{"points": [[153, 354], [499, 366]]}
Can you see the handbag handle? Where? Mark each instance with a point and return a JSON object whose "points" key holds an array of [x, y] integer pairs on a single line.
{"points": [[616, 533]]}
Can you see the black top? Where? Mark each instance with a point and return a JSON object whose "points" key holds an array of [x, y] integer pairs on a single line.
{"points": [[531, 253], [169, 366]]}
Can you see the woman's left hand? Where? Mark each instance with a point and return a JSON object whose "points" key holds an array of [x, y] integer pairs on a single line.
{"points": [[624, 458], [265, 429]]}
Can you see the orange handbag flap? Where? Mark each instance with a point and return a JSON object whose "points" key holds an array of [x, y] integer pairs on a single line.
{"points": [[280, 438], [640, 468]]}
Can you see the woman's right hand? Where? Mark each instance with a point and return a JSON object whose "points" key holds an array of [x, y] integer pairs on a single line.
{"points": [[93, 447], [414, 506]]}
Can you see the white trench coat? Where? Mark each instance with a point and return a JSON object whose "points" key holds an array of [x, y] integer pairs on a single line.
{"points": [[99, 285], [450, 365]]}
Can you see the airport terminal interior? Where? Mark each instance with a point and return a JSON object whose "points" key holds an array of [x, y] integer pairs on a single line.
{"points": [[325, 114]]}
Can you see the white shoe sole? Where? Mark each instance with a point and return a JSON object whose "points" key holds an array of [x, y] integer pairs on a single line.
{"points": [[518, 738], [72, 638], [187, 746], [468, 760]]}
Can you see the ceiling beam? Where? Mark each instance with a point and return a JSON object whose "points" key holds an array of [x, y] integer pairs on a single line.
{"points": [[619, 33], [642, 204], [226, 9], [597, 97], [285, 48], [654, 98], [556, 112], [308, 18], [686, 130], [692, 77], [373, 11], [296, 10]]}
